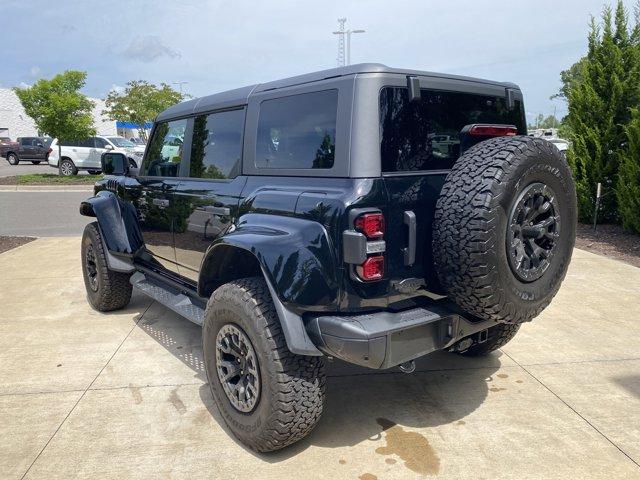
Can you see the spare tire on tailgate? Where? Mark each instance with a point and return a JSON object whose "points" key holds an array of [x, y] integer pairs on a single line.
{"points": [[504, 228]]}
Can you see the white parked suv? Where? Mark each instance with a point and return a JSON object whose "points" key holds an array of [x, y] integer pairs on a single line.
{"points": [[72, 156]]}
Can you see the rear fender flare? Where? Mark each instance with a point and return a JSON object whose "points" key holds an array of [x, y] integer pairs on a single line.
{"points": [[296, 258]]}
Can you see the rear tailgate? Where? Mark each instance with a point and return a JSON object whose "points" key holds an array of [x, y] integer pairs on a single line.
{"points": [[420, 141]]}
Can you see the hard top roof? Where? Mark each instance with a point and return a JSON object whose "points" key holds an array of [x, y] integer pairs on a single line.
{"points": [[240, 96]]}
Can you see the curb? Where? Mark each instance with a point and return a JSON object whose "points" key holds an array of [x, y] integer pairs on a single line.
{"points": [[46, 188]]}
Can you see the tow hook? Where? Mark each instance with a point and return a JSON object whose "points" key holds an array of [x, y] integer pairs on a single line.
{"points": [[408, 367]]}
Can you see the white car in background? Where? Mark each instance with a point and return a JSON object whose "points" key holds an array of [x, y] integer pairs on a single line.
{"points": [[74, 156]]}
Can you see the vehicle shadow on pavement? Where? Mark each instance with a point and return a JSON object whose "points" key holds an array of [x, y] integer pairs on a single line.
{"points": [[360, 403]]}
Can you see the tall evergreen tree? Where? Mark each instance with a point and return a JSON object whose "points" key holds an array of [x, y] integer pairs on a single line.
{"points": [[600, 108], [628, 187]]}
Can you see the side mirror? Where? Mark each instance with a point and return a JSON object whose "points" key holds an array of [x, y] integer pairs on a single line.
{"points": [[108, 147], [114, 163]]}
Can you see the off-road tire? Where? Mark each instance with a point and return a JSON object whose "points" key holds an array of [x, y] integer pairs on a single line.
{"points": [[12, 158], [67, 172], [471, 224], [113, 288], [498, 337], [35, 162], [292, 387]]}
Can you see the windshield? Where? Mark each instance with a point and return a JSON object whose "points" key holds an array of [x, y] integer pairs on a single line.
{"points": [[121, 142]]}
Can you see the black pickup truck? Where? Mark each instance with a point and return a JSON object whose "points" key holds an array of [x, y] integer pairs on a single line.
{"points": [[27, 149], [364, 213]]}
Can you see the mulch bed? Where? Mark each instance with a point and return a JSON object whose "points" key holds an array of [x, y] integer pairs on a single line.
{"points": [[7, 243], [610, 241]]}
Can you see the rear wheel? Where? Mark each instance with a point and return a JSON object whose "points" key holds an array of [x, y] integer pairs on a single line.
{"points": [[67, 168], [12, 158], [504, 228], [268, 396], [106, 289]]}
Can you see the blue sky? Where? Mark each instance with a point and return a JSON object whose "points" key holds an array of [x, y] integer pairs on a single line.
{"points": [[218, 45]]}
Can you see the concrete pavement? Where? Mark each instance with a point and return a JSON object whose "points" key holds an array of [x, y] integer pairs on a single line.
{"points": [[123, 395], [43, 213]]}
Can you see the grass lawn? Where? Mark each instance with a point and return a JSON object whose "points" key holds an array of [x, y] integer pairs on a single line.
{"points": [[49, 179]]}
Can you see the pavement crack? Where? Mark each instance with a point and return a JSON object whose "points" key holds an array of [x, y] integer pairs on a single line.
{"points": [[140, 317], [524, 367]]}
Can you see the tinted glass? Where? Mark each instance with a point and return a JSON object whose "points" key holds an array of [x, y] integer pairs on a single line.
{"points": [[100, 143], [424, 135], [217, 145], [298, 131], [164, 152]]}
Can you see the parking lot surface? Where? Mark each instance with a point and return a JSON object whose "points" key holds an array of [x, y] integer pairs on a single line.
{"points": [[43, 213], [124, 395]]}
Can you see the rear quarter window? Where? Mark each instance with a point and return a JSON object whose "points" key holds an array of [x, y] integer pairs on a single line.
{"points": [[424, 135], [298, 131]]}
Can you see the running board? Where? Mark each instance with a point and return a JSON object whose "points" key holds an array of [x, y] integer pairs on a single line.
{"points": [[169, 297]]}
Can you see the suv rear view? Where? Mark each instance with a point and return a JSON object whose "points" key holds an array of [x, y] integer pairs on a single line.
{"points": [[365, 213]]}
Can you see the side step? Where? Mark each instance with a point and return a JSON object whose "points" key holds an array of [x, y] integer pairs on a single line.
{"points": [[169, 297]]}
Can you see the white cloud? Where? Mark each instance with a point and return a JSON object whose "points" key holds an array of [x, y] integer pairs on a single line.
{"points": [[148, 48]]}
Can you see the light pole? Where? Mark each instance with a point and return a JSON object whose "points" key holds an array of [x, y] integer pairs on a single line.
{"points": [[344, 58]]}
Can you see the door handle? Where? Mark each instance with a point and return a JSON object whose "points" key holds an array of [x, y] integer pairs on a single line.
{"points": [[410, 250], [161, 202], [216, 210]]}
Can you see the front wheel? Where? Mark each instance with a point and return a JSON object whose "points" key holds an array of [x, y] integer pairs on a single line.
{"points": [[268, 396], [107, 290], [12, 159]]}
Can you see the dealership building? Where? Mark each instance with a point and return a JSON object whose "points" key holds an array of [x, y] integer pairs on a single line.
{"points": [[14, 122]]}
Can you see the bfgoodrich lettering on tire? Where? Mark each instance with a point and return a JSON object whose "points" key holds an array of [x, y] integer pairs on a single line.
{"points": [[268, 396], [504, 228]]}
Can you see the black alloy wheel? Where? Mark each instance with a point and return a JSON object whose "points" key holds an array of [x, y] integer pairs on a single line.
{"points": [[533, 232], [237, 368]]}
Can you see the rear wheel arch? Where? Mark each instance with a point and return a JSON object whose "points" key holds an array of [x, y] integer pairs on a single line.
{"points": [[226, 263]]}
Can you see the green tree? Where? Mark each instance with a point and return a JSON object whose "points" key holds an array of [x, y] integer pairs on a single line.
{"points": [[599, 109], [57, 106], [570, 78], [541, 121], [628, 187], [140, 102]]}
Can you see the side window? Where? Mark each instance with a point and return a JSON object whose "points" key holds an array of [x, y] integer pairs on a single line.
{"points": [[164, 152], [217, 145], [298, 131], [100, 142]]}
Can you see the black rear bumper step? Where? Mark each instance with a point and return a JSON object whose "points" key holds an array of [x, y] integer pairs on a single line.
{"points": [[386, 339]]}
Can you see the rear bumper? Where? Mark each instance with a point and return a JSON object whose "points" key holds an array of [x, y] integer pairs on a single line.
{"points": [[386, 339]]}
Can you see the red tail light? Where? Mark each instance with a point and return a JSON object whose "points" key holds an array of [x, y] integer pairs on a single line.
{"points": [[493, 130], [371, 224], [371, 269]]}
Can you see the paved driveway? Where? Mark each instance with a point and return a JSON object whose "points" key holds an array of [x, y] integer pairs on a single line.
{"points": [[123, 395]]}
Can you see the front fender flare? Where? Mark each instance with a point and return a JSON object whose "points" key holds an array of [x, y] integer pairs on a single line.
{"points": [[118, 227]]}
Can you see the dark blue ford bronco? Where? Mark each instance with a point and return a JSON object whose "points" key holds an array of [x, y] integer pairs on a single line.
{"points": [[364, 213]]}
